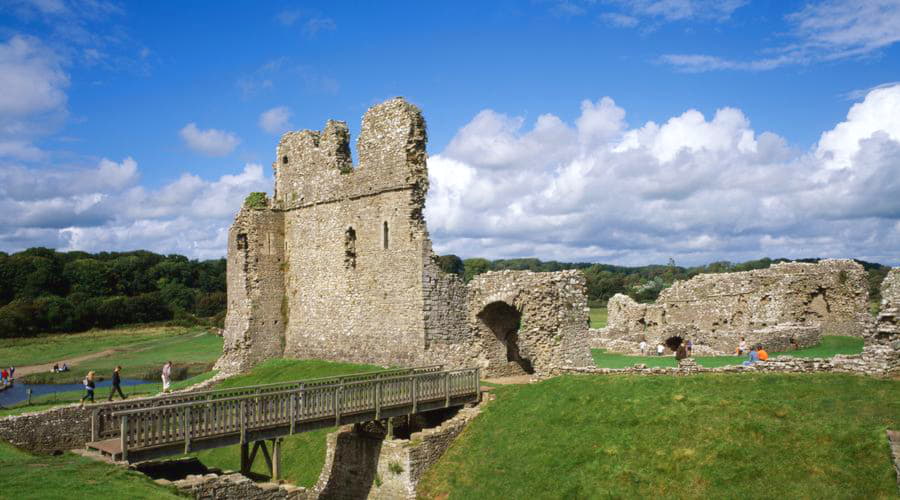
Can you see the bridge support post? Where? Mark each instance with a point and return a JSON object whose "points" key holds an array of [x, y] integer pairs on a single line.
{"points": [[276, 459], [245, 458]]}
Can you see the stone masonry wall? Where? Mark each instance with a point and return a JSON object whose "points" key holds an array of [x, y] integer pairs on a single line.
{"points": [[339, 265], [255, 321], [523, 322], [888, 324], [714, 310], [58, 429]]}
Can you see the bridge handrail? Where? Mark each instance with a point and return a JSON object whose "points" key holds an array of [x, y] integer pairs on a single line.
{"points": [[136, 411], [103, 417]]}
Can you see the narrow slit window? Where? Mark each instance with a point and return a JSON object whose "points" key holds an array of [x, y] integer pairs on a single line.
{"points": [[350, 248], [385, 235], [242, 241]]}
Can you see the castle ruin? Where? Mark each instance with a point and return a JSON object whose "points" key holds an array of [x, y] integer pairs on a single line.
{"points": [[338, 265], [788, 301]]}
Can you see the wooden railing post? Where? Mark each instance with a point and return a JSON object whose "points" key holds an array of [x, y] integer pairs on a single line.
{"points": [[95, 417], [477, 384], [415, 393], [293, 404], [338, 401], [123, 437], [446, 389], [243, 415], [187, 430], [378, 398]]}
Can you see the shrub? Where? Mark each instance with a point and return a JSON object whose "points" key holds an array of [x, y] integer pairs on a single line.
{"points": [[256, 201]]}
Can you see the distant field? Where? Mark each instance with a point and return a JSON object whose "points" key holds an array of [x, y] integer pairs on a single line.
{"points": [[598, 317], [830, 346], [707, 436], [303, 455]]}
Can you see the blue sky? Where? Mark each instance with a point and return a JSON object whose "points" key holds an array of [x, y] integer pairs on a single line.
{"points": [[143, 124]]}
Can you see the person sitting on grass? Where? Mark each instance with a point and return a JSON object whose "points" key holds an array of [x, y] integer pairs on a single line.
{"points": [[752, 358], [763, 355], [88, 388]]}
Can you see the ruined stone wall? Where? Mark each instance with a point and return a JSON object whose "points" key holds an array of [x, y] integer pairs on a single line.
{"points": [[523, 322], [888, 324], [255, 321], [714, 310], [354, 277], [58, 429]]}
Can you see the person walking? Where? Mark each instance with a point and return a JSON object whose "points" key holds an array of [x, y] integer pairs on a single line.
{"points": [[88, 388], [12, 373], [116, 387], [167, 375], [659, 349], [690, 347], [643, 346]]}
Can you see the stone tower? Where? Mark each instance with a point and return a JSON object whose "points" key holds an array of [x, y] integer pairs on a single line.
{"points": [[338, 264]]}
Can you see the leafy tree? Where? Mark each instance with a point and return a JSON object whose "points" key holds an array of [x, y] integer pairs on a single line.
{"points": [[451, 264]]}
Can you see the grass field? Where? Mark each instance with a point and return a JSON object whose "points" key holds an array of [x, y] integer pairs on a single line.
{"points": [[141, 352], [598, 317], [63, 398], [829, 346], [303, 455], [66, 477], [707, 436]]}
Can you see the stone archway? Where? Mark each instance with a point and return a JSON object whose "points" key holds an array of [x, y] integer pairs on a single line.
{"points": [[504, 320]]}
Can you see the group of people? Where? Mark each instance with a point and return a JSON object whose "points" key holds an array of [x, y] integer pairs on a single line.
{"points": [[116, 387], [59, 369], [684, 350], [754, 355], [7, 375]]}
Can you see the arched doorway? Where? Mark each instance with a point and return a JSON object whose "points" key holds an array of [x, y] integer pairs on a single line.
{"points": [[503, 320]]}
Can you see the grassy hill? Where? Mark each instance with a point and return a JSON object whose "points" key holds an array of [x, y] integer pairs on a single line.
{"points": [[709, 436]]}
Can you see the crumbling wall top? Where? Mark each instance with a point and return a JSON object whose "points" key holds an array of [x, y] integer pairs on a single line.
{"points": [[316, 167]]}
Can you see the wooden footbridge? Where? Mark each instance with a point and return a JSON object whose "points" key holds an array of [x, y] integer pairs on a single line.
{"points": [[175, 424]]}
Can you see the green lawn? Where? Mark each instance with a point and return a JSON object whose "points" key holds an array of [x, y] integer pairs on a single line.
{"points": [[829, 346], [191, 350], [26, 476], [50, 348], [303, 455], [707, 436], [598, 317], [63, 398]]}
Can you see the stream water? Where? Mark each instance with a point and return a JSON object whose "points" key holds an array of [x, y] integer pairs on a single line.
{"points": [[16, 392]]}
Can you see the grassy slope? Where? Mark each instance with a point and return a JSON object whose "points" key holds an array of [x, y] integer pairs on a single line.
{"points": [[63, 398], [49, 348], [25, 476], [303, 454], [829, 346], [598, 317], [192, 347], [709, 436]]}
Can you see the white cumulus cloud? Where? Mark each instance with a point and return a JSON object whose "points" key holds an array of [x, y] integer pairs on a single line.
{"points": [[275, 120], [210, 142], [695, 188]]}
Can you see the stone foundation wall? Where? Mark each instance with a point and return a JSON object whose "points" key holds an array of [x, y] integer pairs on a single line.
{"points": [[57, 429], [715, 310], [362, 465], [234, 486], [875, 361], [887, 326]]}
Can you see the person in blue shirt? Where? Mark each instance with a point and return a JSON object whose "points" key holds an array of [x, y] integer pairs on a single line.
{"points": [[753, 358]]}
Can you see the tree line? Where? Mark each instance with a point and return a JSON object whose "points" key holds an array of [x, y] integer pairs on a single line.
{"points": [[42, 290], [643, 283]]}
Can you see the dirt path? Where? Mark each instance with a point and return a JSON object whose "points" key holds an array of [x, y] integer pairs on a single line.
{"points": [[21, 371]]}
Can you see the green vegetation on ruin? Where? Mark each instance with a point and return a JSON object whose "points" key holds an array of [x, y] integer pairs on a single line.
{"points": [[26, 476], [256, 200], [303, 455], [706, 436], [830, 346]]}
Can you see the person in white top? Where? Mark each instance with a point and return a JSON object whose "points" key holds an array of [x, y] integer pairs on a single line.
{"points": [[643, 346], [659, 349], [166, 375]]}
